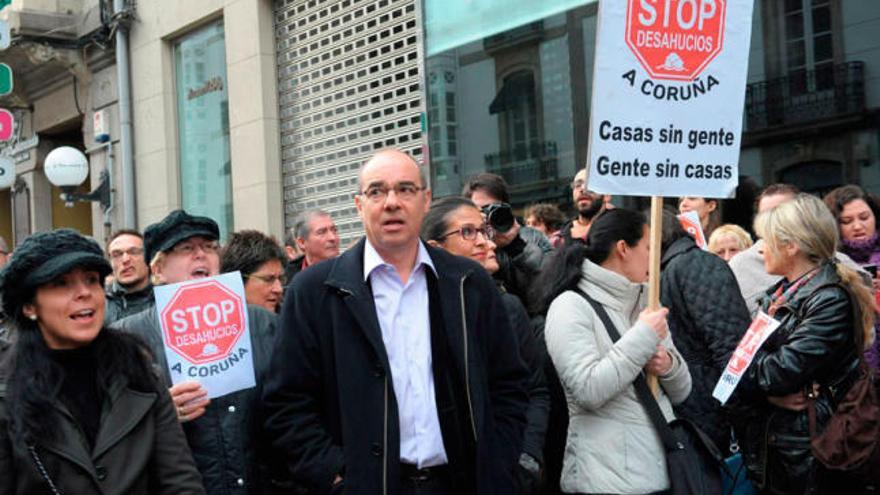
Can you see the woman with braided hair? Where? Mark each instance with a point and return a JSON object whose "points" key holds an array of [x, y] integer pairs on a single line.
{"points": [[81, 409]]}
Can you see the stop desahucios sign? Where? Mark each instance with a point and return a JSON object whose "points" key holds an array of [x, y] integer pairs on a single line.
{"points": [[203, 322], [675, 39]]}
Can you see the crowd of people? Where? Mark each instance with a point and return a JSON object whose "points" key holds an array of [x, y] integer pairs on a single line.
{"points": [[450, 350]]}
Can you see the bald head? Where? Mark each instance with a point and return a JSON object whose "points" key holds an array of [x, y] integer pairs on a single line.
{"points": [[385, 157]]}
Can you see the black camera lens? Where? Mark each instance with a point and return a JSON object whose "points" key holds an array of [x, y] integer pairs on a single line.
{"points": [[499, 216]]}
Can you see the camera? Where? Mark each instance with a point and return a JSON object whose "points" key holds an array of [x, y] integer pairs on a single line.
{"points": [[499, 216]]}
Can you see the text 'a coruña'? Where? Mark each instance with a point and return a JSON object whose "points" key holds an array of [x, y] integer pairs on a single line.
{"points": [[201, 371], [673, 91]]}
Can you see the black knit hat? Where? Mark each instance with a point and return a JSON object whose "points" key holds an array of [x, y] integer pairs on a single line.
{"points": [[41, 258], [176, 227]]}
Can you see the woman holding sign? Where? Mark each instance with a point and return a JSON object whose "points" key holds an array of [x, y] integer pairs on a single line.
{"points": [[81, 410], [612, 446], [825, 314]]}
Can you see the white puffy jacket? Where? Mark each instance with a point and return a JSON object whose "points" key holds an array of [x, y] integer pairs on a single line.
{"points": [[612, 447]]}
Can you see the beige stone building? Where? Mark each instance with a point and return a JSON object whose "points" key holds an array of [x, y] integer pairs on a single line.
{"points": [[204, 111], [206, 67]]}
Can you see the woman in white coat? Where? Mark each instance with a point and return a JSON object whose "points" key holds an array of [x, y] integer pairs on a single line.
{"points": [[612, 446]]}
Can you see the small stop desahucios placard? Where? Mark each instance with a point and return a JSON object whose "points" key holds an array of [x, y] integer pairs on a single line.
{"points": [[206, 333]]}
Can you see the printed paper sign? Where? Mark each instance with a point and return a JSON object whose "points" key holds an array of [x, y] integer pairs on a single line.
{"points": [[762, 327], [690, 222], [206, 333], [668, 92]]}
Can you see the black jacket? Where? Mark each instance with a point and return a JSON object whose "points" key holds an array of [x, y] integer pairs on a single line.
{"points": [[815, 342], [139, 448], [121, 303], [707, 319], [293, 267], [330, 399], [520, 262], [534, 355], [226, 441]]}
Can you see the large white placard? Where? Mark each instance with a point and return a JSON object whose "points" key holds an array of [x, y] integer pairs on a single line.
{"points": [[668, 93]]}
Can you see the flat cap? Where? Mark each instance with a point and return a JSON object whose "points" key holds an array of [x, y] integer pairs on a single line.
{"points": [[176, 227]]}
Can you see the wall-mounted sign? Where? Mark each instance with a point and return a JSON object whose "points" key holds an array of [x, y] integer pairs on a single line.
{"points": [[7, 124], [5, 79], [7, 172], [5, 36]]}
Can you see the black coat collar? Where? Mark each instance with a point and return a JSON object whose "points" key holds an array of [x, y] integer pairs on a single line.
{"points": [[678, 246]]}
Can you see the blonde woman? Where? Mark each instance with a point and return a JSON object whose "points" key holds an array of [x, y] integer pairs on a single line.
{"points": [[728, 240], [826, 316]]}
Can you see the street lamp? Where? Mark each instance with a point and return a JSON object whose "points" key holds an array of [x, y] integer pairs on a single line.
{"points": [[67, 168]]}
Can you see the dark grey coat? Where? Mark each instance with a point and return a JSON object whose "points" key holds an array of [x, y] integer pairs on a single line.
{"points": [[330, 397], [139, 450]]}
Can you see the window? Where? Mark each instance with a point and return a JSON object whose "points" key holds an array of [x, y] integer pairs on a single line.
{"points": [[203, 125], [808, 45]]}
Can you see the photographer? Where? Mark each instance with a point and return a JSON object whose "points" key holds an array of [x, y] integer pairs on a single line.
{"points": [[521, 249]]}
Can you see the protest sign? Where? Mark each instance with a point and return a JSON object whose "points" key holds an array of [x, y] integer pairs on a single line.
{"points": [[690, 222], [206, 333], [668, 93], [761, 328]]}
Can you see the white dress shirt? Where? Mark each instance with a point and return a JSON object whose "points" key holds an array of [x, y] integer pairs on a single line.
{"points": [[402, 310]]}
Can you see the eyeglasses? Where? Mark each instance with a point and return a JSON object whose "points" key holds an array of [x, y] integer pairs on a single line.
{"points": [[131, 252], [404, 190], [469, 232], [189, 248], [269, 279]]}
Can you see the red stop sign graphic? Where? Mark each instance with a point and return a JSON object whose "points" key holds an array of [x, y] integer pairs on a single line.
{"points": [[203, 322], [675, 39]]}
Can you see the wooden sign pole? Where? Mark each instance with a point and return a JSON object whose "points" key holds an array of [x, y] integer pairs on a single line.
{"points": [[654, 268]]}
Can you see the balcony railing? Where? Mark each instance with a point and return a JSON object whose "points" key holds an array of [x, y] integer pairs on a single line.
{"points": [[525, 165], [806, 96]]}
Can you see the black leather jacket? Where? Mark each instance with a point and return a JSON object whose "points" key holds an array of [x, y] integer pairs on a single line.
{"points": [[815, 343], [226, 442]]}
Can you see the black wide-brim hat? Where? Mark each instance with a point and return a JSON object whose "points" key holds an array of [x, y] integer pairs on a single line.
{"points": [[176, 227], [43, 257]]}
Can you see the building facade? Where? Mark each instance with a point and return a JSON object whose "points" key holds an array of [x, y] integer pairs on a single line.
{"points": [[64, 72], [349, 82], [252, 111]]}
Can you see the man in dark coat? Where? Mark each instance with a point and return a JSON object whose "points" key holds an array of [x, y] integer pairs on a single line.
{"points": [[521, 250], [131, 291], [372, 392], [707, 319], [223, 433]]}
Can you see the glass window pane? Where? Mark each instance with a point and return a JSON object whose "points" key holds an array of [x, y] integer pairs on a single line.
{"points": [[794, 26], [203, 125], [821, 20], [793, 5], [795, 54], [824, 76], [822, 48]]}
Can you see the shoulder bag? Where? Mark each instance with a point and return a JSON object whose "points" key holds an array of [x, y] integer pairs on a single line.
{"points": [[693, 461]]}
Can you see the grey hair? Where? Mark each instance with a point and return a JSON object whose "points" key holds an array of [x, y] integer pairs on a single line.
{"points": [[423, 177], [302, 225]]}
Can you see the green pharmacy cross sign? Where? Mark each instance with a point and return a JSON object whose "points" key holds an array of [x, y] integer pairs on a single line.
{"points": [[5, 78]]}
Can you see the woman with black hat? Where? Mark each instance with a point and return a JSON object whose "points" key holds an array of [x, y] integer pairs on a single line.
{"points": [[81, 410]]}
